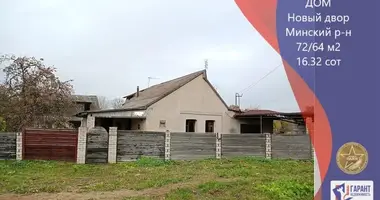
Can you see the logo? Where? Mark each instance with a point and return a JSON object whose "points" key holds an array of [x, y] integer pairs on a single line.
{"points": [[352, 158], [352, 190]]}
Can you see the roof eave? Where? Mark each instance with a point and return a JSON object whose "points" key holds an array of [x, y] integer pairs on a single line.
{"points": [[83, 114]]}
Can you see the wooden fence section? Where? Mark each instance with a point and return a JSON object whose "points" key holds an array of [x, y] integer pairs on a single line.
{"points": [[131, 145], [97, 145], [234, 145], [8, 146], [190, 146], [291, 147], [50, 144]]}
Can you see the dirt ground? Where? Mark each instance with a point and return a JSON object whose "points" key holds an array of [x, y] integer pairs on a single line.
{"points": [[114, 195]]}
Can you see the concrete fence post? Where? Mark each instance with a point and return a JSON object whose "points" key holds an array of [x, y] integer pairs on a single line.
{"points": [[268, 146], [218, 145], [167, 145], [81, 145], [112, 145], [19, 145]]}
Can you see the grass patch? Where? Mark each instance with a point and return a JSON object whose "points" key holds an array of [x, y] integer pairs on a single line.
{"points": [[288, 190], [152, 162], [238, 178], [182, 193]]}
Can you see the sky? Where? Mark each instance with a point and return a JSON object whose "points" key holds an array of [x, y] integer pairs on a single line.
{"points": [[109, 47]]}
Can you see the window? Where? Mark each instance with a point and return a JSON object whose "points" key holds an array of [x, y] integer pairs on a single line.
{"points": [[209, 126], [162, 123], [87, 106], [190, 125]]}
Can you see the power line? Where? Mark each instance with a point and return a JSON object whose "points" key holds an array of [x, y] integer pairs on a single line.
{"points": [[262, 78]]}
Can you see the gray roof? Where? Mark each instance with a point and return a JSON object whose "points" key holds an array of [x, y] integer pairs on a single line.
{"points": [[93, 99], [157, 92]]}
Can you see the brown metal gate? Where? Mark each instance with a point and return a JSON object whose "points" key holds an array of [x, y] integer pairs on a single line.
{"points": [[50, 144]]}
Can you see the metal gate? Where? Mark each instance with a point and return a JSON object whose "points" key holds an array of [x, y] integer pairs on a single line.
{"points": [[97, 145], [50, 144]]}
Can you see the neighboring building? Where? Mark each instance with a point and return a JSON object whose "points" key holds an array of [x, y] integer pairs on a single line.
{"points": [[82, 103], [186, 104], [261, 121]]}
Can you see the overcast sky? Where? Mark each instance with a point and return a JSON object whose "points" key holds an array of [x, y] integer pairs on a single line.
{"points": [[110, 47]]}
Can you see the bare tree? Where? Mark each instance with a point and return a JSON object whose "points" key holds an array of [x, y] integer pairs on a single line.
{"points": [[117, 103], [104, 103], [32, 95], [257, 107]]}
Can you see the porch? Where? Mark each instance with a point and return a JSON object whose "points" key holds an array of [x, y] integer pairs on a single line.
{"points": [[123, 119], [120, 123]]}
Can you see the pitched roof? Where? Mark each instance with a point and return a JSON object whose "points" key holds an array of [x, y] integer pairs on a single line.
{"points": [[152, 94], [155, 93], [93, 99]]}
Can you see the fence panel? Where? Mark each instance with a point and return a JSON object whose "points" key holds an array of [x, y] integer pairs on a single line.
{"points": [[97, 145], [190, 146], [50, 144], [133, 144], [7, 146], [291, 147], [243, 145]]}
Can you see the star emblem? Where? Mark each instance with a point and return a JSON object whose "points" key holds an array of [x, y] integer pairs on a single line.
{"points": [[352, 157]]}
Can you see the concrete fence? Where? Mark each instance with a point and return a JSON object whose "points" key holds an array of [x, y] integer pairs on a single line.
{"points": [[132, 145], [99, 146], [126, 146], [8, 146]]}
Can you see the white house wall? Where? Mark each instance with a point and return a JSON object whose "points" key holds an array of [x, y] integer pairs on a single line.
{"points": [[195, 100]]}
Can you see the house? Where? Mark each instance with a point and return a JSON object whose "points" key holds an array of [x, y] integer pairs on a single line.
{"points": [[82, 103], [185, 104]]}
